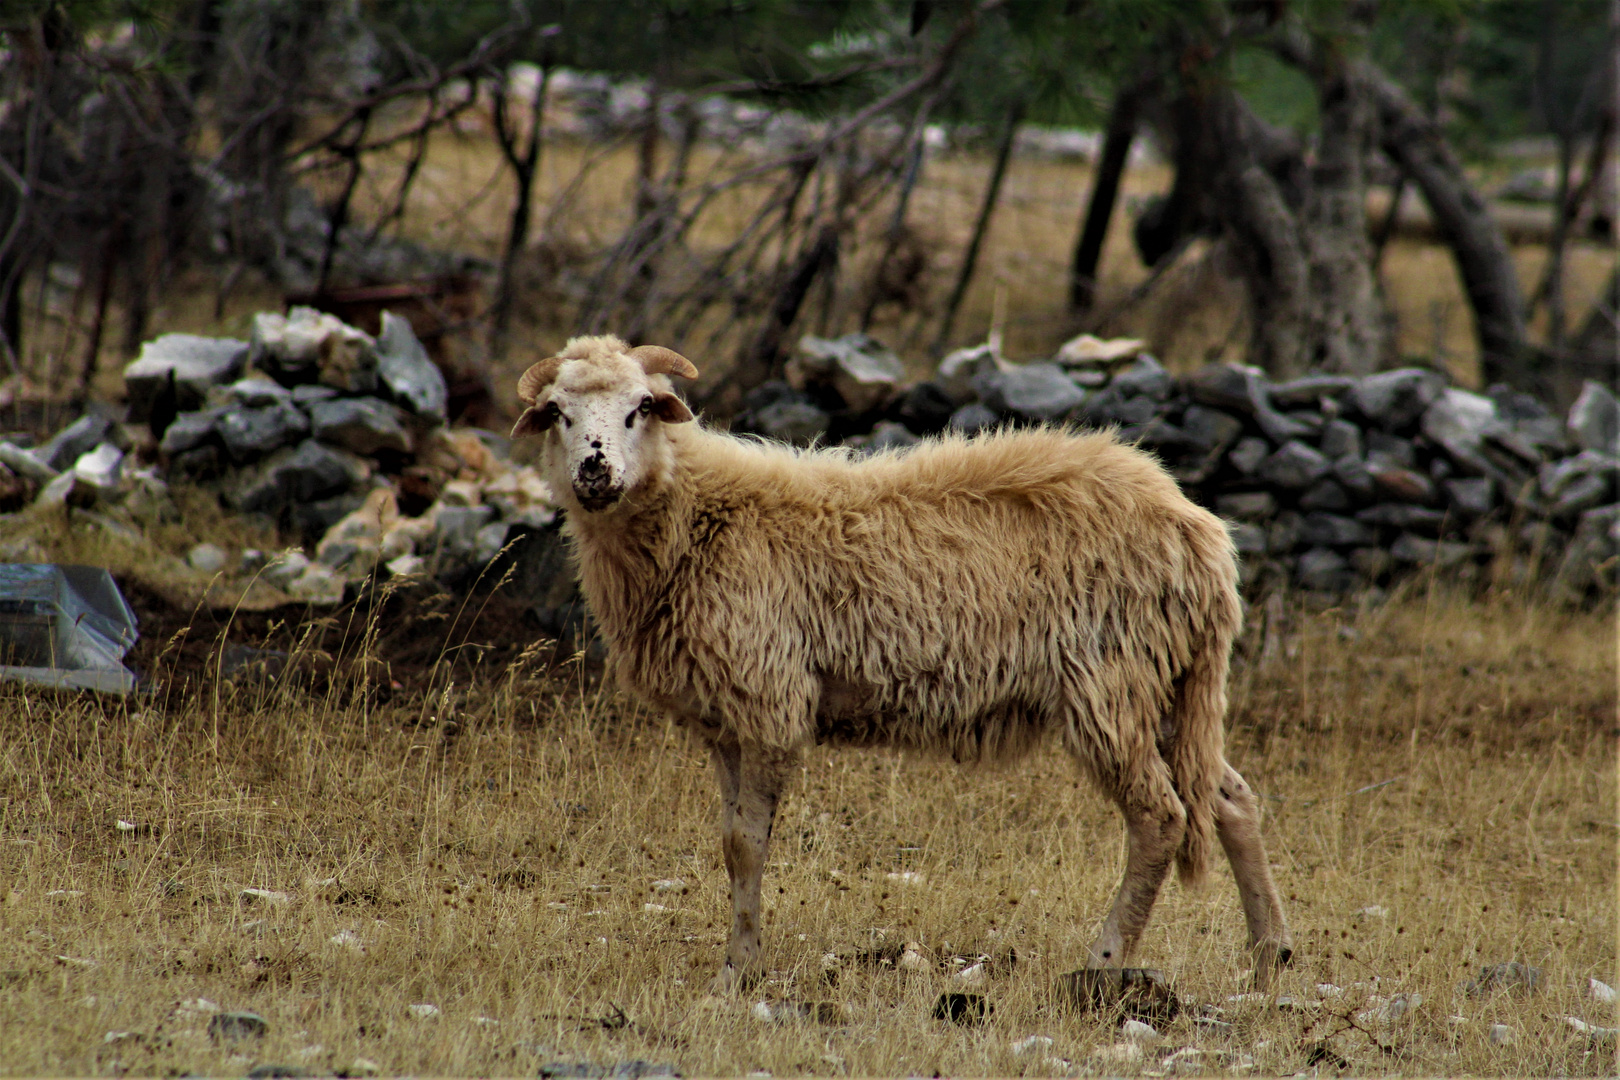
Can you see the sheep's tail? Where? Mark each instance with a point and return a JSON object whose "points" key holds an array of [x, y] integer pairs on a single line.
{"points": [[1198, 757]]}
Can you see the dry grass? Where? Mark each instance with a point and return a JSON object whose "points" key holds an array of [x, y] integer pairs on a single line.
{"points": [[490, 839]]}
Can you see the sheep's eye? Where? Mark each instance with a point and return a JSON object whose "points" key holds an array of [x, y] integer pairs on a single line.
{"points": [[551, 414], [641, 410]]}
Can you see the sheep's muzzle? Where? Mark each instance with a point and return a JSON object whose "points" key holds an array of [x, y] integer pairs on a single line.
{"points": [[594, 486]]}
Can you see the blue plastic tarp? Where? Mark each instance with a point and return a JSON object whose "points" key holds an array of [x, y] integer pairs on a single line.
{"points": [[64, 626]]}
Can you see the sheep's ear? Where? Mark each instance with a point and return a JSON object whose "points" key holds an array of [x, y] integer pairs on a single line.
{"points": [[537, 378], [657, 360], [670, 409], [534, 421]]}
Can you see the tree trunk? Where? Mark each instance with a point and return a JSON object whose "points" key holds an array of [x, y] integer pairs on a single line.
{"points": [[1302, 233], [1416, 145], [987, 209], [525, 167], [764, 358], [1116, 150]]}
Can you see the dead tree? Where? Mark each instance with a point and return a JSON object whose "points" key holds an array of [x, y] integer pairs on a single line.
{"points": [[981, 224]]}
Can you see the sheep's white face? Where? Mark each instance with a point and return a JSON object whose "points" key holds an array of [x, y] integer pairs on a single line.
{"points": [[600, 417]]}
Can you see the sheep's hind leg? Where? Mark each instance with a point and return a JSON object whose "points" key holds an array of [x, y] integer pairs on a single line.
{"points": [[1154, 823], [750, 785], [1237, 822]]}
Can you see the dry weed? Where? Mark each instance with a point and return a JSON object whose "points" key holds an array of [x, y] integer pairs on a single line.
{"points": [[524, 852]]}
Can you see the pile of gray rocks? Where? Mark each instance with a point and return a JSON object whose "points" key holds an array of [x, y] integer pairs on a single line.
{"points": [[1331, 483], [312, 426]]}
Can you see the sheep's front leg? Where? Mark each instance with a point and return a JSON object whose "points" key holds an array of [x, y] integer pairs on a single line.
{"points": [[750, 785]]}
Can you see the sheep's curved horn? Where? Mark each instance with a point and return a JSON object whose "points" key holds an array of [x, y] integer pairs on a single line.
{"points": [[657, 360], [537, 378]]}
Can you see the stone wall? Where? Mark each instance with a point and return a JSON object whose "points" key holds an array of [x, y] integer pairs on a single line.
{"points": [[1331, 483]]}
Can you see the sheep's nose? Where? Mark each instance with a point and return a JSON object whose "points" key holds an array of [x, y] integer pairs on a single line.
{"points": [[593, 468]]}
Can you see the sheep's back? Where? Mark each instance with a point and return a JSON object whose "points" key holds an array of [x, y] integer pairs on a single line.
{"points": [[958, 594]]}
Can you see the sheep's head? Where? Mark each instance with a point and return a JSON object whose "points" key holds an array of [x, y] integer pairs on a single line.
{"points": [[599, 404]]}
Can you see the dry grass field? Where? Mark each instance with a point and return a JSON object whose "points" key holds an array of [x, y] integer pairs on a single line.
{"points": [[505, 840]]}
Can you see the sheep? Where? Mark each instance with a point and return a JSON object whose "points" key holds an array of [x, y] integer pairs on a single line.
{"points": [[963, 595]]}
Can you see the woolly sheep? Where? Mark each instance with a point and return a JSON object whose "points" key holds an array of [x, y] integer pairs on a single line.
{"points": [[964, 595]]}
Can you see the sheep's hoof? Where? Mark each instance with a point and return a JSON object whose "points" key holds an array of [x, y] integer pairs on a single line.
{"points": [[1270, 957], [1142, 993]]}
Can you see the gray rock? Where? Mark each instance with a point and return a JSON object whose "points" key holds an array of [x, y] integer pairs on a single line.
{"points": [[1281, 428], [1334, 530], [1247, 455], [249, 434], [1371, 563], [623, 1070], [862, 370], [1474, 497], [1352, 473], [174, 373], [59, 491], [1512, 976], [1546, 435], [1226, 387], [925, 409], [206, 558], [314, 518], [958, 370], [1340, 438], [296, 476], [1594, 419], [1582, 494], [1158, 434], [456, 528], [487, 543], [1145, 377], [1403, 516], [1294, 466], [791, 421], [888, 435], [1310, 390], [1440, 467], [1515, 406], [25, 464], [1248, 539], [306, 345], [408, 375], [98, 470], [1595, 546], [1136, 411], [189, 431], [255, 393], [1416, 549], [1030, 391], [198, 465], [973, 418], [1323, 570], [1247, 505], [1397, 399], [1284, 534], [236, 1026], [1210, 430], [73, 441], [310, 393], [1401, 484], [1555, 476], [1325, 494], [1458, 423], [363, 425], [1386, 449]]}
